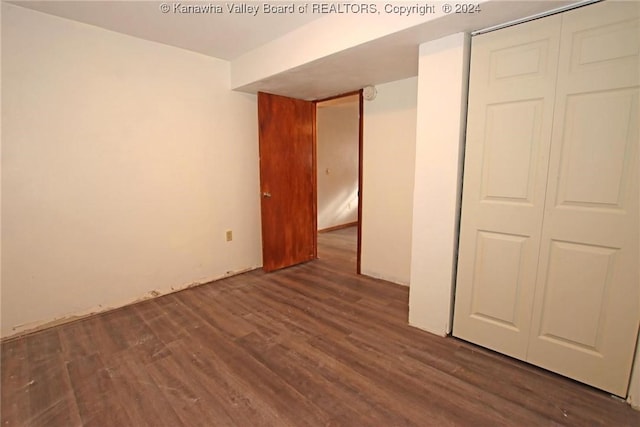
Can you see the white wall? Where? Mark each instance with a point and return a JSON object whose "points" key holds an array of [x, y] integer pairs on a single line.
{"points": [[338, 129], [389, 138], [123, 163], [442, 89]]}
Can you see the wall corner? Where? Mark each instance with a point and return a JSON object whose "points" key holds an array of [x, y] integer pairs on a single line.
{"points": [[442, 97]]}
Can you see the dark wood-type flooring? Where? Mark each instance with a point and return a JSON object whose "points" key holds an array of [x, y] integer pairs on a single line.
{"points": [[312, 345]]}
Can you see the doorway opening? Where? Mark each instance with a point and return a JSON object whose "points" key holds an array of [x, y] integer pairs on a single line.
{"points": [[339, 170]]}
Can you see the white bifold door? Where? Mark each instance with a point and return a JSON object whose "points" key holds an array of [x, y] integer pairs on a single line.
{"points": [[548, 268]]}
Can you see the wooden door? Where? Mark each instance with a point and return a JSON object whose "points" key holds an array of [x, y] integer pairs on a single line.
{"points": [[287, 178], [509, 127], [586, 309]]}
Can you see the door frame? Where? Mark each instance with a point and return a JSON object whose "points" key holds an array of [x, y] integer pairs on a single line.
{"points": [[360, 166]]}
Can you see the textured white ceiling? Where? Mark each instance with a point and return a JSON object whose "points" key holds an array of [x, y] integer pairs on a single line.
{"points": [[228, 36], [222, 35]]}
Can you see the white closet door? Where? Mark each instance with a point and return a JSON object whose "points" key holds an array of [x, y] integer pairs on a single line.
{"points": [[512, 88], [586, 310]]}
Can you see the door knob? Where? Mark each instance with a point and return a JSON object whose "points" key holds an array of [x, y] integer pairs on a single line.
{"points": [[266, 194]]}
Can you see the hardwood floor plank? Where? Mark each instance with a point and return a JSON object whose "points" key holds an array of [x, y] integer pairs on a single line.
{"points": [[51, 398], [302, 364], [310, 345], [95, 392], [283, 362], [141, 398], [189, 392], [221, 389], [216, 315], [77, 339], [409, 396], [293, 407], [158, 320], [182, 321], [15, 383]]}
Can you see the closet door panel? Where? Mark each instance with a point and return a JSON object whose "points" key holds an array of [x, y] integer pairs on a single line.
{"points": [[587, 300], [512, 87]]}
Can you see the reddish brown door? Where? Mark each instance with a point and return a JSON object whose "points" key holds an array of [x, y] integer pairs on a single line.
{"points": [[287, 178]]}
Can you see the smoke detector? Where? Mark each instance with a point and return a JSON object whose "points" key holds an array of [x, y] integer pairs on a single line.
{"points": [[369, 93]]}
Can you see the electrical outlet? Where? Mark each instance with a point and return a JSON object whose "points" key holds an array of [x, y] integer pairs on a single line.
{"points": [[229, 235]]}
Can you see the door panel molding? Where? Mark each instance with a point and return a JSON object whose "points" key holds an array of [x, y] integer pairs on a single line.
{"points": [[567, 296]]}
